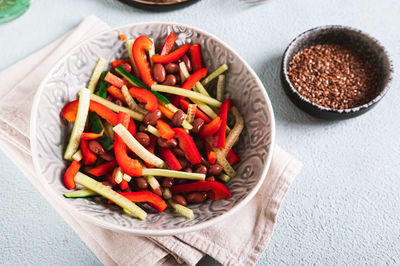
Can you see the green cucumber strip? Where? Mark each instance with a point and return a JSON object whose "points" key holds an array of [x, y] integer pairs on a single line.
{"points": [[185, 74], [110, 194], [116, 108], [79, 125], [136, 82], [186, 93], [224, 177], [173, 174], [97, 126], [220, 87], [216, 73], [182, 210], [82, 193], [153, 182], [97, 70], [103, 85]]}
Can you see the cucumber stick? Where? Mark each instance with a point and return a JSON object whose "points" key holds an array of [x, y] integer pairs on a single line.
{"points": [[82, 193], [116, 108], [216, 73], [182, 210], [103, 85], [173, 174], [110, 194], [94, 78], [136, 82], [79, 125], [97, 126]]}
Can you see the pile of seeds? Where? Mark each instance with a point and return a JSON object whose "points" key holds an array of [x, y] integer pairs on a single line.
{"points": [[333, 76]]}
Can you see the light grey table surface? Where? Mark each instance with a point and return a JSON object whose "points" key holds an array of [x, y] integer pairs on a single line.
{"points": [[344, 207]]}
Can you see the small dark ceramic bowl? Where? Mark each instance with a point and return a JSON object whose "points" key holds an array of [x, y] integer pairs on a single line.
{"points": [[353, 39]]}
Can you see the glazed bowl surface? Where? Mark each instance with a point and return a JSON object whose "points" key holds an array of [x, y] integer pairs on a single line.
{"points": [[72, 73]]}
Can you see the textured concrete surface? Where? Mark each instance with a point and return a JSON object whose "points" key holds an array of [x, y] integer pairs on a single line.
{"points": [[343, 208]]}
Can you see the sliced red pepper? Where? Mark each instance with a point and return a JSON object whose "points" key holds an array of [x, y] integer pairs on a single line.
{"points": [[219, 137], [69, 175], [211, 155], [114, 80], [92, 135], [89, 158], [151, 147], [186, 143], [232, 157], [70, 110], [171, 57], [103, 169], [166, 112], [150, 198], [165, 130], [139, 48], [211, 128], [116, 93], [116, 63], [185, 106], [195, 56], [170, 159], [169, 43], [219, 190], [130, 166], [123, 184], [143, 95], [195, 77]]}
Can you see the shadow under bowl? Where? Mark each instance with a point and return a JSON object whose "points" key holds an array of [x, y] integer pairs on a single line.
{"points": [[350, 38]]}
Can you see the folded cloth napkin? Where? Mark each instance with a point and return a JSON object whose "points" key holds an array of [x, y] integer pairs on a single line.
{"points": [[222, 241]]}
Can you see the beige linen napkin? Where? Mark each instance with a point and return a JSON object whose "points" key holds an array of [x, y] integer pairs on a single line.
{"points": [[255, 221]]}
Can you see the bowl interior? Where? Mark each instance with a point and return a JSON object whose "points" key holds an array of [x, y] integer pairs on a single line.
{"points": [[72, 73], [351, 38]]}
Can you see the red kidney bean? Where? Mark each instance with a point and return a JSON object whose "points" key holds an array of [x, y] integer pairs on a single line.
{"points": [[96, 147], [215, 169], [164, 143], [151, 117], [127, 67], [184, 162], [188, 64], [172, 68], [170, 80], [199, 143], [201, 169], [205, 162], [179, 199], [159, 73], [187, 169], [178, 152], [210, 178], [119, 102], [142, 128], [196, 197], [107, 156], [198, 124], [142, 138], [178, 118], [167, 182], [140, 183], [157, 191]]}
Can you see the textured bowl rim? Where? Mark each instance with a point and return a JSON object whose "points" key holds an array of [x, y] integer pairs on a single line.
{"points": [[375, 100], [149, 232]]}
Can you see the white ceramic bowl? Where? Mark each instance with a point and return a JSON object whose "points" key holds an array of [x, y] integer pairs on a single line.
{"points": [[72, 73]]}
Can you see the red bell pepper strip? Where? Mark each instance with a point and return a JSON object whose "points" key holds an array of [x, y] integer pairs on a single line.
{"points": [[114, 80], [171, 57], [103, 169], [91, 135], [169, 43], [151, 147], [219, 137], [211, 128], [143, 95], [195, 77], [219, 190], [89, 158], [165, 130], [166, 112], [150, 198], [116, 93], [170, 159], [232, 157], [211, 155], [195, 56], [70, 110], [116, 63], [182, 103], [139, 48], [103, 112], [186, 143], [123, 184], [69, 175], [130, 166]]}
